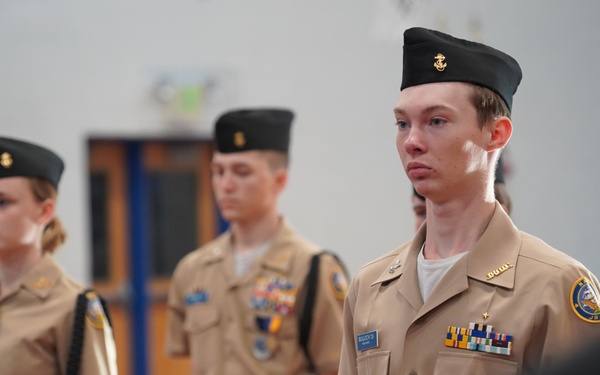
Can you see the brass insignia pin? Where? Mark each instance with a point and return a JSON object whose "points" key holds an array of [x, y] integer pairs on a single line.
{"points": [[394, 266], [505, 267], [439, 63], [43, 282], [6, 160], [239, 139], [485, 315]]}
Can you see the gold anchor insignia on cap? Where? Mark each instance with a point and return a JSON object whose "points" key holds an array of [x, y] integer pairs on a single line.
{"points": [[6, 160], [505, 267], [239, 139], [43, 283], [439, 63]]}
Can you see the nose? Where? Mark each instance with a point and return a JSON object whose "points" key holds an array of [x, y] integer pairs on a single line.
{"points": [[224, 181], [412, 141]]}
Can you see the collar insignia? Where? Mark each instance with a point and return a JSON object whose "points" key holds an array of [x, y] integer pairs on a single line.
{"points": [[499, 270], [43, 283]]}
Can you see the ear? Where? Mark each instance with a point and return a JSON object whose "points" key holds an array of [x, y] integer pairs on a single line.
{"points": [[501, 131], [281, 179], [47, 209]]}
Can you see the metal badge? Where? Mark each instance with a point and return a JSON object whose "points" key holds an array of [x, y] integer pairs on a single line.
{"points": [[264, 346], [43, 283], [394, 266], [6, 160], [439, 63], [239, 139], [499, 270]]}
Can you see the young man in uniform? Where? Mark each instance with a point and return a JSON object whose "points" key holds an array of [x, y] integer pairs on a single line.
{"points": [[470, 294], [238, 304]]}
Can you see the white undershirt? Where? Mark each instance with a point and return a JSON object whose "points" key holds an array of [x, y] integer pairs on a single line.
{"points": [[430, 272], [243, 260]]}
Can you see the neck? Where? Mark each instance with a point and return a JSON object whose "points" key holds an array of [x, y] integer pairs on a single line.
{"points": [[14, 266], [250, 235], [454, 227]]}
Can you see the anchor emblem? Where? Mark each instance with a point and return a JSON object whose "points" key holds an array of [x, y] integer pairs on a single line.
{"points": [[6, 160], [239, 139], [439, 63]]}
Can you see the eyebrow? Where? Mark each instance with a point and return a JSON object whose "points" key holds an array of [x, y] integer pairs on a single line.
{"points": [[432, 108]]}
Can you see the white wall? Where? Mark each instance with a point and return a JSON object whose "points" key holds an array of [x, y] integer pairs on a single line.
{"points": [[70, 68]]}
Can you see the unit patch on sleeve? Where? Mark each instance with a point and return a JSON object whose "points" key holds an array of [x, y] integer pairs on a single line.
{"points": [[94, 314], [584, 300], [338, 284]]}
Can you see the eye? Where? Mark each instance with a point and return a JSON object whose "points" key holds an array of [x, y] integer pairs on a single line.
{"points": [[242, 171], [3, 203], [436, 121], [402, 124]]}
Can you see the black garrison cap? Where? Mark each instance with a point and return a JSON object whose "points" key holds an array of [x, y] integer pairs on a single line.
{"points": [[431, 56], [254, 129], [23, 159]]}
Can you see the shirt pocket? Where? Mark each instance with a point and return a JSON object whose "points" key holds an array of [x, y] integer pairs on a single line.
{"points": [[374, 363], [200, 318], [453, 363]]}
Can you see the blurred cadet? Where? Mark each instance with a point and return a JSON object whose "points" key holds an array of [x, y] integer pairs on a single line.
{"points": [[259, 299], [470, 293], [500, 192], [48, 323]]}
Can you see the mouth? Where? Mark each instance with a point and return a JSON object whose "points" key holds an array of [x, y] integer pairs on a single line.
{"points": [[417, 170]]}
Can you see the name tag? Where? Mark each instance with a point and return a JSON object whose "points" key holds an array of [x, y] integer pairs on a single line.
{"points": [[367, 340], [198, 297]]}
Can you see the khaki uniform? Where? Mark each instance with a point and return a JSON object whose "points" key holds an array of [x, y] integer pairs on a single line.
{"points": [[36, 321], [510, 280], [249, 325]]}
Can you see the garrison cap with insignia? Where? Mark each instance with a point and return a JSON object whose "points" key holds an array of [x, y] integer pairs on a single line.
{"points": [[254, 129], [24, 159], [431, 56]]}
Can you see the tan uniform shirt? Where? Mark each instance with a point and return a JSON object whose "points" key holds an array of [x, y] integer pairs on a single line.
{"points": [[510, 280], [249, 324], [36, 321]]}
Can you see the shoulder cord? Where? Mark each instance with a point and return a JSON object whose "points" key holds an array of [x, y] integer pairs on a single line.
{"points": [[305, 320], [75, 351], [74, 361]]}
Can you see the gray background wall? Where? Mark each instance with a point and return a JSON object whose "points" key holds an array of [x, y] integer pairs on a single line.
{"points": [[71, 68]]}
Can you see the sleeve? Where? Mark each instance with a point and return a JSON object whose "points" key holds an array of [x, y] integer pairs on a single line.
{"points": [[569, 320], [176, 337], [326, 331], [99, 354], [348, 352]]}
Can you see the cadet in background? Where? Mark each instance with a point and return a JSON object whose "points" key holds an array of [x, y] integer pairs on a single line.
{"points": [[259, 299], [49, 324]]}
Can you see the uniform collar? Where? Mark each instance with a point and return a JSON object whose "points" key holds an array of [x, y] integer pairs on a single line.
{"points": [[495, 253], [279, 256], [494, 257], [43, 277]]}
